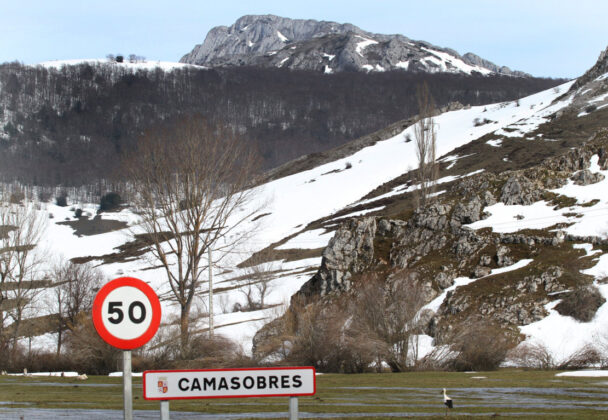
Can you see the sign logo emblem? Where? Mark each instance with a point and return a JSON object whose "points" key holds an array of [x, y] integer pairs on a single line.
{"points": [[163, 385]]}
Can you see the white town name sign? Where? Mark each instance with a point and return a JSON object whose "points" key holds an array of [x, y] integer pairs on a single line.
{"points": [[229, 383]]}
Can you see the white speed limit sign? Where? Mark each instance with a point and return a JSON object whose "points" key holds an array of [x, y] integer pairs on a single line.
{"points": [[126, 313]]}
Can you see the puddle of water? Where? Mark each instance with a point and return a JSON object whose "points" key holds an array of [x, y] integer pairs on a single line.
{"points": [[76, 414]]}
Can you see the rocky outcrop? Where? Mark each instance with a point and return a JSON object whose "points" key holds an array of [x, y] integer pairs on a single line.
{"points": [[517, 304], [468, 212], [600, 68], [476, 60], [547, 281], [350, 251], [273, 41], [426, 232], [520, 190], [435, 246], [586, 177]]}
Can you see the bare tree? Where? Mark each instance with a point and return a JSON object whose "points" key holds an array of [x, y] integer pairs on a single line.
{"points": [[21, 228], [257, 284], [384, 318], [191, 184], [75, 288], [425, 135]]}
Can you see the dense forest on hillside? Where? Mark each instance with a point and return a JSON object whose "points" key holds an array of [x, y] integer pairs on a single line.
{"points": [[69, 126]]}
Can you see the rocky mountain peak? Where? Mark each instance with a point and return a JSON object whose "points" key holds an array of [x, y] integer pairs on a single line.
{"points": [[274, 41], [599, 69], [253, 35]]}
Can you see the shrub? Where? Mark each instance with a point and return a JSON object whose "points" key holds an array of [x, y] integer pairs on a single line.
{"points": [[87, 351], [62, 200], [110, 201], [17, 197], [78, 213], [480, 346], [581, 304]]}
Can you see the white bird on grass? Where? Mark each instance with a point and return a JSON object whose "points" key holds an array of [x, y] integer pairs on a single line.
{"points": [[447, 401]]}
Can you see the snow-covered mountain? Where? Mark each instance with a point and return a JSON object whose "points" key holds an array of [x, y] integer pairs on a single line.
{"points": [[519, 225], [273, 41]]}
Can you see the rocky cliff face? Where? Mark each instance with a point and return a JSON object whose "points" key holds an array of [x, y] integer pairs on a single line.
{"points": [[273, 41]]}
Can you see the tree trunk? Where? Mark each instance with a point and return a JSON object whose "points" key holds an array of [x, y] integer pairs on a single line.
{"points": [[184, 326], [59, 332]]}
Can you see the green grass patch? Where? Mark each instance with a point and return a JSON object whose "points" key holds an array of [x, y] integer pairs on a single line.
{"points": [[509, 392]]}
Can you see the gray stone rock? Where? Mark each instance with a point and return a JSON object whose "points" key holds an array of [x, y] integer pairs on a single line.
{"points": [[433, 217], [480, 271], [465, 213], [520, 190], [586, 177], [485, 260], [502, 257], [444, 279]]}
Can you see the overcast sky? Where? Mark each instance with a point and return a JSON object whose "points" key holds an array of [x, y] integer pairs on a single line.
{"points": [[553, 38]]}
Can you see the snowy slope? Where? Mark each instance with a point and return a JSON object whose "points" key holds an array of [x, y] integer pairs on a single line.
{"points": [[299, 199]]}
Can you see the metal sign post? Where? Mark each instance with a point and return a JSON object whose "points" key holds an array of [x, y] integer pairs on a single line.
{"points": [[293, 408], [164, 410], [127, 389]]}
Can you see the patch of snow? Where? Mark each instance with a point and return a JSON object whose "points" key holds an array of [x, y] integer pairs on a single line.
{"points": [[282, 62], [599, 98], [330, 57], [119, 374], [282, 37], [367, 67], [328, 70], [309, 239], [599, 270], [453, 159], [360, 213], [66, 374], [494, 143], [403, 65], [362, 45], [584, 374], [441, 58], [508, 133], [602, 77], [403, 189], [505, 219], [250, 44], [562, 335], [588, 248]]}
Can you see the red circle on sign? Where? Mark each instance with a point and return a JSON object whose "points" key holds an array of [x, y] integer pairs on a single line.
{"points": [[99, 301]]}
